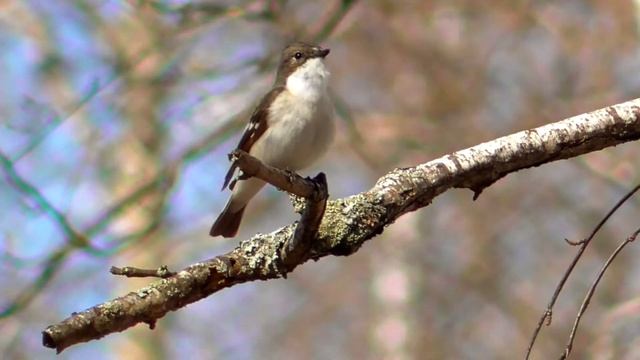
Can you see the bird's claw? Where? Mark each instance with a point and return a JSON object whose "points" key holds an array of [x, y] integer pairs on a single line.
{"points": [[290, 174]]}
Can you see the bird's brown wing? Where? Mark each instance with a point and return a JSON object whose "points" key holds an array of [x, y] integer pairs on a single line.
{"points": [[255, 128]]}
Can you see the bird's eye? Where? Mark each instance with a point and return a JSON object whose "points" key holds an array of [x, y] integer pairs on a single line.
{"points": [[298, 55]]}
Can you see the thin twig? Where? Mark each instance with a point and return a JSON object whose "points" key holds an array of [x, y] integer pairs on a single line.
{"points": [[130, 271], [592, 289], [547, 314], [575, 243], [282, 179]]}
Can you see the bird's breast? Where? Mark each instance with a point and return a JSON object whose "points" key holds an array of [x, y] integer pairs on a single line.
{"points": [[299, 131], [309, 81]]}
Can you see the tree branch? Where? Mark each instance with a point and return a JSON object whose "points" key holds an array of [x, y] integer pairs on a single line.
{"points": [[349, 222]]}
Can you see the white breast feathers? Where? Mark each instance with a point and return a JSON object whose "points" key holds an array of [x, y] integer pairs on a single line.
{"points": [[309, 81]]}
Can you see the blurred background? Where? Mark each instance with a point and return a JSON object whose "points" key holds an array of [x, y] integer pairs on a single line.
{"points": [[116, 117]]}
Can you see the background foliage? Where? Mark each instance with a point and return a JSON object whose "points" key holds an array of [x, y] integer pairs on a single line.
{"points": [[116, 117]]}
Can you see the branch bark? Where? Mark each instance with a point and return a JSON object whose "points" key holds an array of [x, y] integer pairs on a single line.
{"points": [[347, 223]]}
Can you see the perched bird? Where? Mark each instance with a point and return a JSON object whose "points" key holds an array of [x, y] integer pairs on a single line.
{"points": [[291, 127]]}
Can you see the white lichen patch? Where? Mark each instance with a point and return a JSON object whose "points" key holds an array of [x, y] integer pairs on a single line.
{"points": [[111, 309], [261, 252]]}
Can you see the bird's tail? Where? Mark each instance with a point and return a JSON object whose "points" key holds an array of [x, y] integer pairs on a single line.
{"points": [[228, 222]]}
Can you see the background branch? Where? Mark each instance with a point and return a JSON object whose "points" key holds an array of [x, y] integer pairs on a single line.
{"points": [[584, 243], [592, 289], [349, 222]]}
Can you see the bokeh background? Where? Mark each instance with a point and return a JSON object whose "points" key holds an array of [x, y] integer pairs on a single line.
{"points": [[116, 117]]}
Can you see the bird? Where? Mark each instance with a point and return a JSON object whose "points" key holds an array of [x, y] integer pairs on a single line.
{"points": [[291, 127]]}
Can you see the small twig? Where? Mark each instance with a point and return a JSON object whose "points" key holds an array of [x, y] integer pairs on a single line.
{"points": [[592, 289], [130, 271], [583, 246], [282, 179], [575, 243]]}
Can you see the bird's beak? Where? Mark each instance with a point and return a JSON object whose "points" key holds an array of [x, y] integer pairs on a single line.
{"points": [[323, 52]]}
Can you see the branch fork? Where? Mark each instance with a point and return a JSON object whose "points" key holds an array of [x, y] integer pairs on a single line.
{"points": [[314, 191]]}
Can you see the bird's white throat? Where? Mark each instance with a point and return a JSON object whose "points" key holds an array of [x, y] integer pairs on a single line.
{"points": [[309, 81]]}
